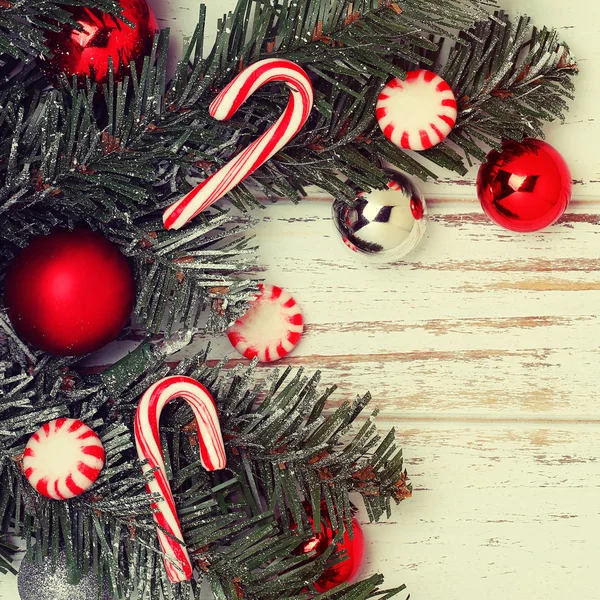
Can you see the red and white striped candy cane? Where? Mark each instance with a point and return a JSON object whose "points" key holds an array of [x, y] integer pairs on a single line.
{"points": [[147, 438], [244, 164]]}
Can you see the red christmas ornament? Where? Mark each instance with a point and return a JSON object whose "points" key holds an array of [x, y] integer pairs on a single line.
{"points": [[355, 550], [69, 293], [526, 187], [85, 52]]}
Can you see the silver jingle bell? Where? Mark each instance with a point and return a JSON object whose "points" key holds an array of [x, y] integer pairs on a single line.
{"points": [[383, 225]]}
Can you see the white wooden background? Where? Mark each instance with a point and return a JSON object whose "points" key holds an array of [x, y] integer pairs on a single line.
{"points": [[481, 350]]}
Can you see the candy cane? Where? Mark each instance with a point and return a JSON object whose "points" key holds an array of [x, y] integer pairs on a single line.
{"points": [[147, 439], [244, 164]]}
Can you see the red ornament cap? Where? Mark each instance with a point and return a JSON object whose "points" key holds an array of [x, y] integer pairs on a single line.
{"points": [[86, 52], [525, 187]]}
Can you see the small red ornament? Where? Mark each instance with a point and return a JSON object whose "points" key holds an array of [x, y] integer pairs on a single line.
{"points": [[69, 293], [526, 187], [355, 550], [85, 53]]}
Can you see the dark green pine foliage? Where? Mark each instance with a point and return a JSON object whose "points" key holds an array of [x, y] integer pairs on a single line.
{"points": [[7, 553], [509, 79], [70, 160], [238, 523]]}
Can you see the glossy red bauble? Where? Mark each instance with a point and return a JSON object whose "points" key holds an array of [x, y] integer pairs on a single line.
{"points": [[355, 550], [69, 293], [86, 52], [526, 187]]}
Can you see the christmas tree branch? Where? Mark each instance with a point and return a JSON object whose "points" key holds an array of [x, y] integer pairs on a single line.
{"points": [[292, 443], [62, 169], [350, 55], [7, 552], [115, 156], [350, 52], [509, 80], [228, 517]]}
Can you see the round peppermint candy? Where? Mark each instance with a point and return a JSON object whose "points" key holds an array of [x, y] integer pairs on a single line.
{"points": [[417, 113], [63, 459], [271, 328]]}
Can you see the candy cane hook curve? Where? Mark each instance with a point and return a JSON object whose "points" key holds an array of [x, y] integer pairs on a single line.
{"points": [[258, 152], [147, 439]]}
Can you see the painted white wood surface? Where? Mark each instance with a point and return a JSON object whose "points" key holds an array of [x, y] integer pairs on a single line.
{"points": [[481, 350]]}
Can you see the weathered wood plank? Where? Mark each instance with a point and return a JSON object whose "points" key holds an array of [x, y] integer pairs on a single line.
{"points": [[496, 512], [477, 320]]}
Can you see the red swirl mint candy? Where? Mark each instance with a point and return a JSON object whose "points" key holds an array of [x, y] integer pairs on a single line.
{"points": [[63, 459], [417, 113], [271, 328]]}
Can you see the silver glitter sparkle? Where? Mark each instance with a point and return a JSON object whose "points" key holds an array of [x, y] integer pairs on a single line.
{"points": [[37, 581]]}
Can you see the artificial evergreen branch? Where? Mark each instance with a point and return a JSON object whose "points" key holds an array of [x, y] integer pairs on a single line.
{"points": [[509, 81], [63, 169], [229, 518]]}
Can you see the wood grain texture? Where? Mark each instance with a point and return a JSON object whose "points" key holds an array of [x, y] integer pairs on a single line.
{"points": [[481, 349], [478, 322], [498, 511]]}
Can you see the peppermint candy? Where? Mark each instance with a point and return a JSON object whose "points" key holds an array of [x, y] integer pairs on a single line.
{"points": [[417, 113], [147, 439], [223, 107], [271, 328], [63, 459]]}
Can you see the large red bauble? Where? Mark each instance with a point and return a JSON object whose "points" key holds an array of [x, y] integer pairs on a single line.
{"points": [[355, 550], [85, 53], [69, 293], [526, 187]]}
